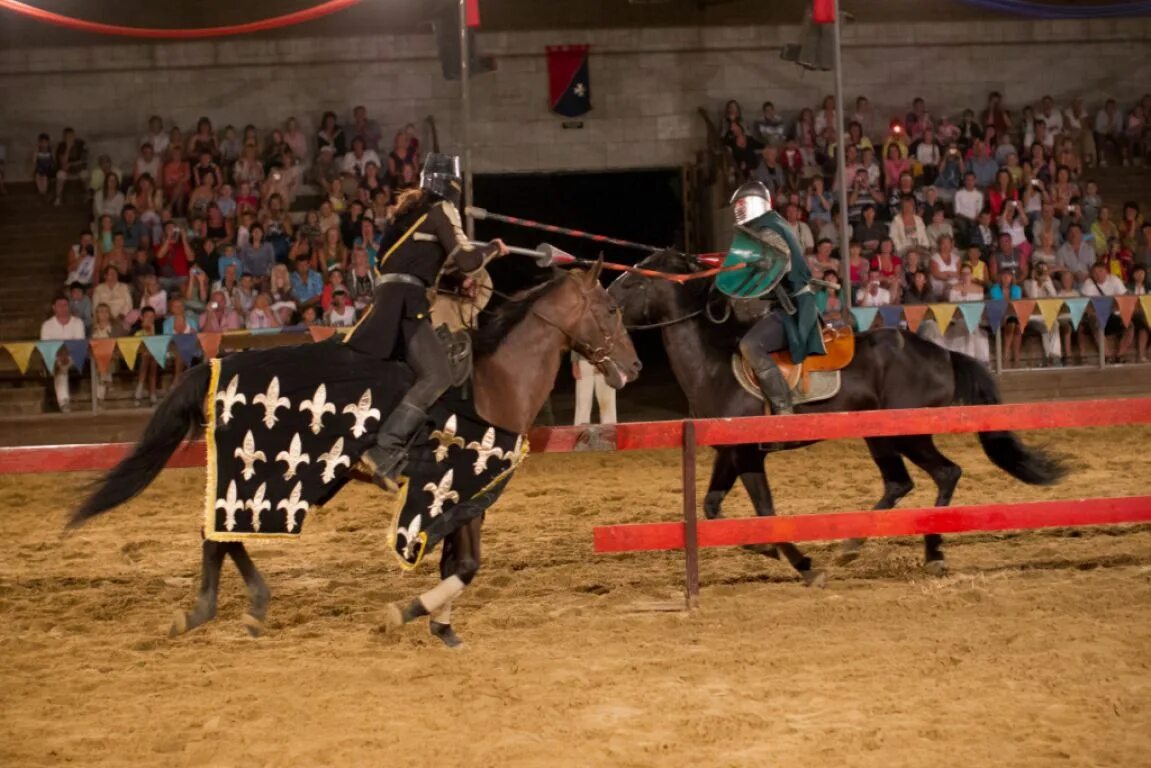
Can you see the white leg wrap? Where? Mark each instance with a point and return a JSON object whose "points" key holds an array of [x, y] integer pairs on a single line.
{"points": [[442, 594], [443, 614]]}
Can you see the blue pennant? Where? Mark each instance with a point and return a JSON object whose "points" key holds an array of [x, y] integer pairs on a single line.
{"points": [[48, 350], [864, 317], [187, 346], [1076, 307], [996, 311], [1102, 306], [972, 311], [158, 348], [78, 351], [891, 315]]}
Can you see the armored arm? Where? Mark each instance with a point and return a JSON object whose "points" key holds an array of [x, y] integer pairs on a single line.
{"points": [[444, 219]]}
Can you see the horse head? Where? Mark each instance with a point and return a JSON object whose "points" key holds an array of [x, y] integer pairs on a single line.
{"points": [[650, 302], [592, 321]]}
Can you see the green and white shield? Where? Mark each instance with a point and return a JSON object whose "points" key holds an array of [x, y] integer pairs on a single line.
{"points": [[765, 245]]}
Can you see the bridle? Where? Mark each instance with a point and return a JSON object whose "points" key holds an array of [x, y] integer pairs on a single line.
{"points": [[643, 288]]}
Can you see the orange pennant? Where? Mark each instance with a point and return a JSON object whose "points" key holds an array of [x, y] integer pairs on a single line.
{"points": [[102, 351], [210, 343], [1126, 308], [914, 314], [1024, 308], [321, 332]]}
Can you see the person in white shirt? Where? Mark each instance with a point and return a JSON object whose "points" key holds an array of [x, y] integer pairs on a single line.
{"points": [[589, 382], [972, 342], [342, 313], [1077, 125], [969, 202], [874, 295], [115, 294], [1041, 286], [800, 229], [357, 160], [157, 136], [147, 162], [62, 327], [1102, 282], [1051, 116]]}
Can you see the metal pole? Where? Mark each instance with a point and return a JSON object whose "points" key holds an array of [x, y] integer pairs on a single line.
{"points": [[690, 521], [466, 115], [841, 166]]}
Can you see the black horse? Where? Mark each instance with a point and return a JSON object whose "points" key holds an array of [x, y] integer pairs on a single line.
{"points": [[891, 369]]}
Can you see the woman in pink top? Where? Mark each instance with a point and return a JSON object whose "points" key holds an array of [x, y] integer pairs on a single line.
{"points": [[894, 166]]}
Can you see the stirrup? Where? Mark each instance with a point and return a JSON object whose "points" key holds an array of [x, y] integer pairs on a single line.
{"points": [[385, 465]]}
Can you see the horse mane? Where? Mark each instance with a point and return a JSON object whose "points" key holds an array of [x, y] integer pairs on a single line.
{"points": [[491, 334], [695, 294]]}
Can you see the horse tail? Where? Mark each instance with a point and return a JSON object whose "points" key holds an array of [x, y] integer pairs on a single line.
{"points": [[974, 385], [180, 413]]}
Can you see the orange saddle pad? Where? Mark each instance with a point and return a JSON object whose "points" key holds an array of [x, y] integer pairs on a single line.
{"points": [[840, 346]]}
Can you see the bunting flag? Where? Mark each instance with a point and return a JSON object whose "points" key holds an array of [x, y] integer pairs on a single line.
{"points": [[1024, 309], [158, 348], [943, 314], [102, 351], [1076, 307], [210, 344], [996, 311], [972, 311], [78, 352], [129, 347], [569, 87], [1126, 308], [48, 351], [187, 346], [1101, 306], [321, 332], [914, 314], [1145, 304], [864, 317], [21, 352], [1050, 309], [891, 315]]}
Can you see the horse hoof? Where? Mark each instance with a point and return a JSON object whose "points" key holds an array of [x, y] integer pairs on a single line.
{"points": [[935, 567], [814, 578], [179, 624], [393, 618], [254, 625], [445, 633]]}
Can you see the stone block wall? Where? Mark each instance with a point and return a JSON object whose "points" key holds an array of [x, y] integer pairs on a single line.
{"points": [[646, 84]]}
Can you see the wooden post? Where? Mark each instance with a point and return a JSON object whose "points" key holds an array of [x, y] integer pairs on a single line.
{"points": [[690, 521]]}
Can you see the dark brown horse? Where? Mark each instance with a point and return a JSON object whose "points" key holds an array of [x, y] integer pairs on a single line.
{"points": [[891, 369], [518, 354]]}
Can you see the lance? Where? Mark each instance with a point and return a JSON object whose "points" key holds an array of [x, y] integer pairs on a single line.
{"points": [[481, 213]]}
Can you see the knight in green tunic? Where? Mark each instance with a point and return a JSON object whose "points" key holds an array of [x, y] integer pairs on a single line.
{"points": [[778, 271]]}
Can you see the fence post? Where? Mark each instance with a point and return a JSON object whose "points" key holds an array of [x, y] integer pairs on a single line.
{"points": [[95, 383], [690, 521], [1101, 340]]}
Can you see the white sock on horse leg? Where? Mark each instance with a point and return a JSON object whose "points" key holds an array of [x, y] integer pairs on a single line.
{"points": [[442, 594], [443, 614]]}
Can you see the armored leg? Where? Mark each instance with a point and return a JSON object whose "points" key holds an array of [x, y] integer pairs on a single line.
{"points": [[765, 337]]}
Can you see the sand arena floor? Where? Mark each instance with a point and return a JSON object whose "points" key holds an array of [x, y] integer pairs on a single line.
{"points": [[1035, 651]]}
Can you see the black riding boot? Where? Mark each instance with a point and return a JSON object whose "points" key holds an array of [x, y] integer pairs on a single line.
{"points": [[775, 389], [389, 455]]}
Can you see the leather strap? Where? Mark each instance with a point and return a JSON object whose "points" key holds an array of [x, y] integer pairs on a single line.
{"points": [[400, 277]]}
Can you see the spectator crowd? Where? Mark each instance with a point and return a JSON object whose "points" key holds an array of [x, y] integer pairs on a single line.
{"points": [[994, 205], [222, 230]]}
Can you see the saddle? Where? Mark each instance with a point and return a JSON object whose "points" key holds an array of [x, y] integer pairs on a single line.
{"points": [[454, 313], [816, 378]]}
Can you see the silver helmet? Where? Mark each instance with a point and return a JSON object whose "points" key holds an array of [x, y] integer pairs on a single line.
{"points": [[441, 177], [750, 201]]}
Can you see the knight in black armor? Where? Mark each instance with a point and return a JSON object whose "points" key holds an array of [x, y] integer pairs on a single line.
{"points": [[426, 238]]}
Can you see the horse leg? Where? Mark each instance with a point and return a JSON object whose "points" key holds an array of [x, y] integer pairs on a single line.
{"points": [[754, 479], [460, 569], [258, 591], [922, 451], [212, 559], [723, 477], [896, 484]]}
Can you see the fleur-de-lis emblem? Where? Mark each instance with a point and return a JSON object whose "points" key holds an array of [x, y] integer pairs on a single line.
{"points": [[411, 534], [293, 457], [248, 454], [229, 398], [446, 438], [318, 406], [333, 459], [271, 400], [231, 505], [361, 412], [292, 506], [440, 493], [258, 504], [486, 451]]}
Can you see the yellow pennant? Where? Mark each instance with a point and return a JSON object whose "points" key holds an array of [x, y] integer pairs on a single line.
{"points": [[943, 314], [21, 352], [129, 347], [1050, 309], [1145, 303]]}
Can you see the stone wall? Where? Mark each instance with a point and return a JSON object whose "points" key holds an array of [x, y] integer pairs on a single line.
{"points": [[646, 84]]}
